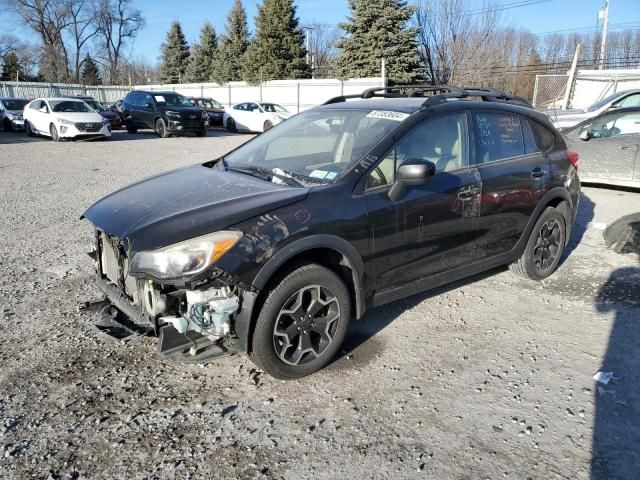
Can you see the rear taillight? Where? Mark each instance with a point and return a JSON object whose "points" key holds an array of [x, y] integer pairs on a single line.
{"points": [[573, 158]]}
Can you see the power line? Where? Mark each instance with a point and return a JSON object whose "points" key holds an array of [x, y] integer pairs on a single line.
{"points": [[507, 6]]}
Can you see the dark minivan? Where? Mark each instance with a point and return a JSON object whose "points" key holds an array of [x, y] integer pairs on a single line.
{"points": [[273, 248], [167, 113]]}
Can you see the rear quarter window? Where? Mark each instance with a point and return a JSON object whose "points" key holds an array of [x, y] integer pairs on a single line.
{"points": [[530, 142], [546, 138]]}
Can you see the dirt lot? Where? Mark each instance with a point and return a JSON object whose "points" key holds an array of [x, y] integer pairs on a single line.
{"points": [[488, 378]]}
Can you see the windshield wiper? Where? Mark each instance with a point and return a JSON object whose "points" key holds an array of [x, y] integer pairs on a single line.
{"points": [[266, 174]]}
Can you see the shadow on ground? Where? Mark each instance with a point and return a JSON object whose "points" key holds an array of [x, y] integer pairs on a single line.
{"points": [[359, 342], [12, 138], [584, 216], [616, 430]]}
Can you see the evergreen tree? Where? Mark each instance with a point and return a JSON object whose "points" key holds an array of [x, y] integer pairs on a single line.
{"points": [[378, 29], [11, 68], [200, 68], [90, 74], [233, 45], [277, 49], [175, 55]]}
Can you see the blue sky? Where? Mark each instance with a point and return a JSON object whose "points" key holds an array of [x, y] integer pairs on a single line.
{"points": [[551, 15]]}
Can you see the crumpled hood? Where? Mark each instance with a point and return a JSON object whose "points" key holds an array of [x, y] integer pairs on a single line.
{"points": [[565, 113], [14, 112], [186, 203]]}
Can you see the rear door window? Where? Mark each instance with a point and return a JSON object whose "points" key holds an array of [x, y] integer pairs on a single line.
{"points": [[498, 136]]}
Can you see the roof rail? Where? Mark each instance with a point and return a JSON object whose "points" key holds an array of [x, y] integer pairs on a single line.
{"points": [[435, 94]]}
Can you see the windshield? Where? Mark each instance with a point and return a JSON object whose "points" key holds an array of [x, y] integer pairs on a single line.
{"points": [[95, 105], [69, 106], [14, 104], [604, 101], [317, 146], [208, 103], [172, 100], [273, 108]]}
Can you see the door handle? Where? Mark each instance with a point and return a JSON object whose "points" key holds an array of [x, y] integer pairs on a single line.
{"points": [[538, 172], [627, 147], [468, 192]]}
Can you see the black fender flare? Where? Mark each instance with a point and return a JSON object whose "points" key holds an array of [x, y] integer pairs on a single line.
{"points": [[351, 257], [553, 194]]}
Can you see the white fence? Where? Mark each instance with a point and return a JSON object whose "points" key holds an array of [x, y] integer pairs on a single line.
{"points": [[107, 94], [594, 85], [295, 95], [588, 87]]}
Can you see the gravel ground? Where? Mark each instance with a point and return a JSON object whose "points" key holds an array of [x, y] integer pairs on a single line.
{"points": [[486, 378]]}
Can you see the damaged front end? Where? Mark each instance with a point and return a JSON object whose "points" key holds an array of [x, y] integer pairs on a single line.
{"points": [[176, 292]]}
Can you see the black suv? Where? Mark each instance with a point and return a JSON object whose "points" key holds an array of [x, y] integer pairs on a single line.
{"points": [[166, 113], [273, 248]]}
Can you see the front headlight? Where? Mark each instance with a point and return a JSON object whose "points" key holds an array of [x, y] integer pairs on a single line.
{"points": [[184, 258], [172, 114], [10, 116], [64, 121]]}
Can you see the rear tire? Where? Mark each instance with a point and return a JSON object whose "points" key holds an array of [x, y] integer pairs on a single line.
{"points": [[53, 131], [301, 323], [544, 247]]}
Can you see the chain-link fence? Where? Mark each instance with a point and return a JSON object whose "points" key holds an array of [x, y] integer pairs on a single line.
{"points": [[549, 91]]}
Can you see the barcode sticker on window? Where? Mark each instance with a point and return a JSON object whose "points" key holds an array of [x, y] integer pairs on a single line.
{"points": [[388, 115]]}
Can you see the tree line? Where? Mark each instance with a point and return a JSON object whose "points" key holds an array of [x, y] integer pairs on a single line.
{"points": [[78, 40], [434, 41]]}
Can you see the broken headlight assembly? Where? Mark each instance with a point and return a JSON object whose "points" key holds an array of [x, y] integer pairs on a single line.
{"points": [[185, 258]]}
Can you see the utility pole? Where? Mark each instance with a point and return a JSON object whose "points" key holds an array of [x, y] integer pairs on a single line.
{"points": [[604, 15], [572, 76]]}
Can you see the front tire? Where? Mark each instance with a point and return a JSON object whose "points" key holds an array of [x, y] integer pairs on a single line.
{"points": [[302, 322], [231, 125], [28, 129], [544, 248], [53, 131], [268, 125], [8, 127], [202, 133], [161, 128]]}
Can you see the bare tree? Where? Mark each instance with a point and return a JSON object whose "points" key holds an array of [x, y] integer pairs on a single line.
{"points": [[83, 26], [119, 24], [322, 48], [451, 35], [48, 19]]}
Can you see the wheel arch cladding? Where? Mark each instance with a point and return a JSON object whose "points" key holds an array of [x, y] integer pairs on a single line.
{"points": [[563, 205], [332, 252]]}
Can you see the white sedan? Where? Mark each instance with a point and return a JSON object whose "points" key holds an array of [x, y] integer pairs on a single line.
{"points": [[60, 118], [254, 116]]}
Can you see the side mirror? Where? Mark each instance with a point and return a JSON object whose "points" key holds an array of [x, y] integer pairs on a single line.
{"points": [[43, 110], [585, 135], [413, 172], [148, 106]]}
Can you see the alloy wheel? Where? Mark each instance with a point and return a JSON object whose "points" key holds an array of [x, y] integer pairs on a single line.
{"points": [[547, 246], [306, 325]]}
